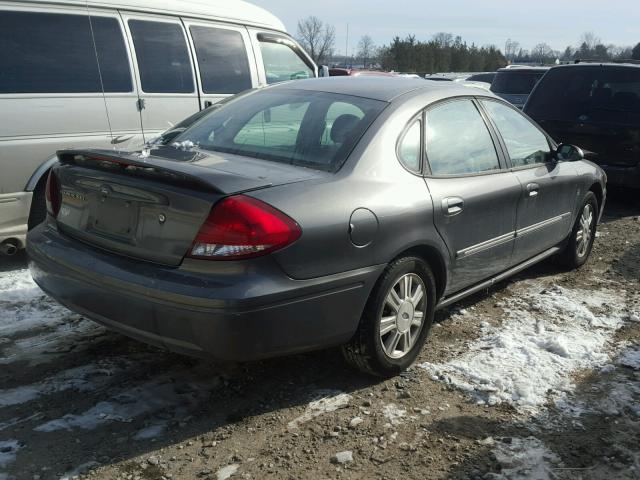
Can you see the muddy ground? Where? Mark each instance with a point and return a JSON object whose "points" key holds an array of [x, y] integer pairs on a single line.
{"points": [[76, 399]]}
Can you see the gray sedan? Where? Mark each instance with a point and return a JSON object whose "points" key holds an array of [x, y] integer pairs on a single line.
{"points": [[325, 212]]}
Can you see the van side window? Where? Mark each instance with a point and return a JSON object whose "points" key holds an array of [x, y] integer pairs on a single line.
{"points": [[222, 59], [54, 53], [282, 63], [163, 58]]}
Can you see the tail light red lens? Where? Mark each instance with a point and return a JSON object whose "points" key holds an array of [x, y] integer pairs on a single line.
{"points": [[242, 227], [53, 195]]}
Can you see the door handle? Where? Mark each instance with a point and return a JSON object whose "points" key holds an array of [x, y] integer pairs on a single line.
{"points": [[207, 103], [533, 189], [452, 206]]}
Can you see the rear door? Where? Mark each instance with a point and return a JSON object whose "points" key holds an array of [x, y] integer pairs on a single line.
{"points": [[474, 196], [164, 69], [549, 188], [224, 60]]}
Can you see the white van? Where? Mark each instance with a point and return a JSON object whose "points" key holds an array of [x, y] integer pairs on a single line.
{"points": [[91, 73]]}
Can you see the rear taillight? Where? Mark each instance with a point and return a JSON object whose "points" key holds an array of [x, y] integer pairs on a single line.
{"points": [[52, 194], [242, 227]]}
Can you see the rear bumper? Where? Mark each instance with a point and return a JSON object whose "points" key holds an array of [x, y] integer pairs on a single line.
{"points": [[14, 216], [230, 311], [626, 177]]}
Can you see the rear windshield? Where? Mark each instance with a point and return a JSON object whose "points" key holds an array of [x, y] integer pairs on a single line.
{"points": [[311, 129], [515, 83], [588, 94]]}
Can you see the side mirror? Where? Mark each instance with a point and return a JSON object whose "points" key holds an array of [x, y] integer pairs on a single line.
{"points": [[323, 71], [569, 153]]}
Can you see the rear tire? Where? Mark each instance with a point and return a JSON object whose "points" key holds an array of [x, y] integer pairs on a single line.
{"points": [[396, 320], [580, 243], [38, 211]]}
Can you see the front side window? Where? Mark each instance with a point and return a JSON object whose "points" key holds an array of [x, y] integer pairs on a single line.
{"points": [[525, 143], [287, 126], [410, 147], [163, 58], [54, 53], [458, 141], [282, 63], [222, 60]]}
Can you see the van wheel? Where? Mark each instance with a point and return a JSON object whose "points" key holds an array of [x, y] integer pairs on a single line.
{"points": [[396, 320], [577, 250], [38, 211]]}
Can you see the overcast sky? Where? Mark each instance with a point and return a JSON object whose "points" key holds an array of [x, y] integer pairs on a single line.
{"points": [[556, 22]]}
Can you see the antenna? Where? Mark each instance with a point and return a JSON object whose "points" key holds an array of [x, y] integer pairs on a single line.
{"points": [[346, 49]]}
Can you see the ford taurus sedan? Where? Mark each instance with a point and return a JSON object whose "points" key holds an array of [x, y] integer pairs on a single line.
{"points": [[312, 214]]}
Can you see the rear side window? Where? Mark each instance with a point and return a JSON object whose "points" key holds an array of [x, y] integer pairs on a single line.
{"points": [[410, 147], [588, 94], [458, 141], [163, 59], [222, 60], [282, 63], [54, 53], [525, 143], [515, 83]]}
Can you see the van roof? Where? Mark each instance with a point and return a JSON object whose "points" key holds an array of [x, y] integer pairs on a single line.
{"points": [[236, 11]]}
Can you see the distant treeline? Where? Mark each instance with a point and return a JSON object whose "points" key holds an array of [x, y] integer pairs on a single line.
{"points": [[443, 53]]}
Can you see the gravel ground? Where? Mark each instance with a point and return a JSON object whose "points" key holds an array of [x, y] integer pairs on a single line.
{"points": [[538, 378]]}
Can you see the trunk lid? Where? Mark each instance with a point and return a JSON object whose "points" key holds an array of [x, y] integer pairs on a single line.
{"points": [[151, 205]]}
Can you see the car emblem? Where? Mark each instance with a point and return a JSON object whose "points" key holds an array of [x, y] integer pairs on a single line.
{"points": [[162, 218]]}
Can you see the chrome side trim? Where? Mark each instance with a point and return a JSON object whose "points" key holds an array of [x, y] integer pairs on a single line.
{"points": [[445, 302], [539, 225], [480, 247]]}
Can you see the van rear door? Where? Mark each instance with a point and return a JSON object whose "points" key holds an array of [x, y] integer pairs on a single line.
{"points": [[164, 71]]}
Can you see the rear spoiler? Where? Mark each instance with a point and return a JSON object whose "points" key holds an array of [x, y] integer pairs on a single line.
{"points": [[178, 173]]}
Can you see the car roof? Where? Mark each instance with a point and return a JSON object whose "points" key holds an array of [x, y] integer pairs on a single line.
{"points": [[236, 11], [596, 65], [519, 69], [381, 88]]}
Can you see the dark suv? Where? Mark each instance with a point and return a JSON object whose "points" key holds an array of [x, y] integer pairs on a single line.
{"points": [[595, 106], [515, 84]]}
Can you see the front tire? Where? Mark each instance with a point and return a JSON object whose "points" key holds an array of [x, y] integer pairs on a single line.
{"points": [[580, 243], [396, 320]]}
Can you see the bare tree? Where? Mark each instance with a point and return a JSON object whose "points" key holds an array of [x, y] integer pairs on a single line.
{"points": [[443, 39], [542, 52], [511, 49], [317, 38], [590, 39], [366, 49]]}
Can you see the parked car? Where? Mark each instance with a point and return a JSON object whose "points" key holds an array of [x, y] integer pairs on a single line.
{"points": [[80, 74], [312, 214], [596, 106], [354, 72], [515, 84], [486, 77]]}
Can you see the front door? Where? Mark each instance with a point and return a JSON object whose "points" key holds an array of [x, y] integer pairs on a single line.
{"points": [[548, 188], [474, 197]]}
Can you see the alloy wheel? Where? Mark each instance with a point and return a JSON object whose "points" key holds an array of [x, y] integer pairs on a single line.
{"points": [[585, 230]]}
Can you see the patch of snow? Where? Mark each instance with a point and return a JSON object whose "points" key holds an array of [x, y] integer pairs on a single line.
{"points": [[226, 472], [8, 451], [150, 397], [342, 457], [525, 459], [394, 414], [325, 401], [83, 378], [545, 336], [144, 153], [152, 431], [184, 145], [79, 470], [630, 358]]}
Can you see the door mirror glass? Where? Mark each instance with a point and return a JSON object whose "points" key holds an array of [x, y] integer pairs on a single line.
{"points": [[569, 153]]}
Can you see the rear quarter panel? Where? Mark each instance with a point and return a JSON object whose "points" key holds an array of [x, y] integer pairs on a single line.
{"points": [[372, 179]]}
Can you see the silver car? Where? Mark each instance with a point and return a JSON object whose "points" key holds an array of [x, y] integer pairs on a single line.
{"points": [[312, 214]]}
